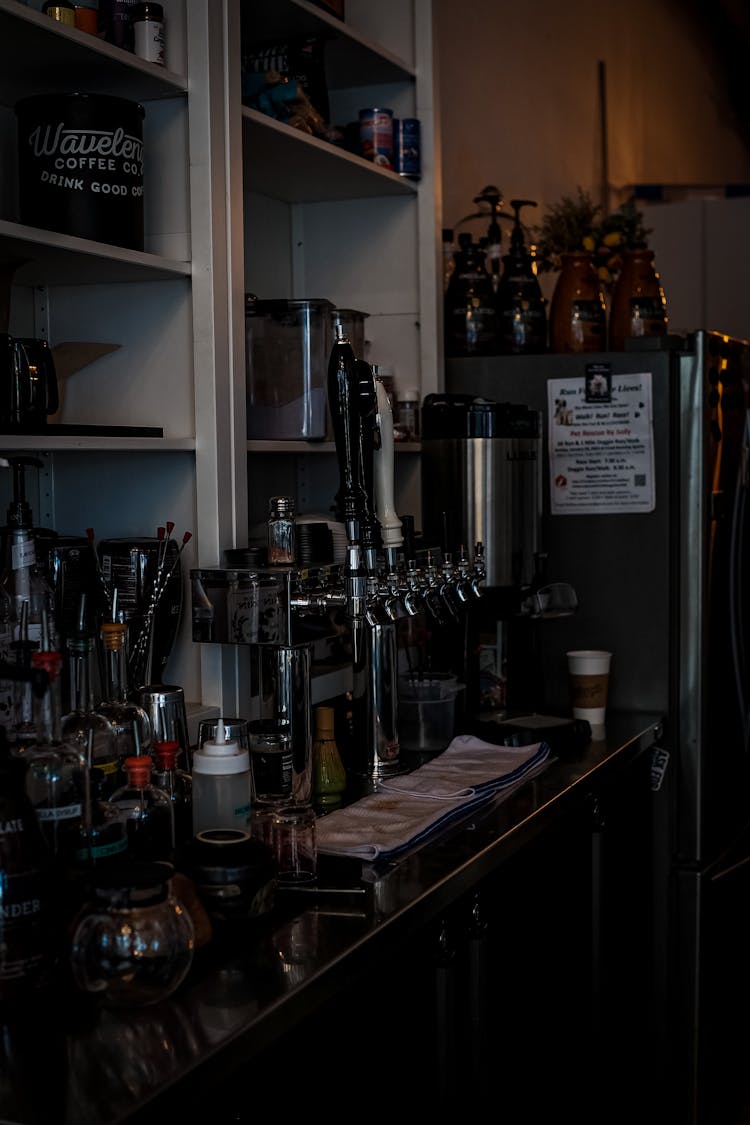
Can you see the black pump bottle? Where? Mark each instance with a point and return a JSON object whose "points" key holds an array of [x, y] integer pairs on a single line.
{"points": [[522, 316], [470, 304]]}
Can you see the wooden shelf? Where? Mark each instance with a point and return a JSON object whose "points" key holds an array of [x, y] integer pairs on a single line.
{"points": [[50, 258], [39, 55], [288, 164]]}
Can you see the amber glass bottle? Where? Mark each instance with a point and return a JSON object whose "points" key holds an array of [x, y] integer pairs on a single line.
{"points": [[638, 304], [578, 313]]}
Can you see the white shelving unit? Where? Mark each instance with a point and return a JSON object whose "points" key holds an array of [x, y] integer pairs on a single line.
{"points": [[323, 222], [152, 304], [234, 202]]}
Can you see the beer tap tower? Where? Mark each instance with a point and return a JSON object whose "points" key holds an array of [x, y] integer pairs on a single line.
{"points": [[375, 587]]}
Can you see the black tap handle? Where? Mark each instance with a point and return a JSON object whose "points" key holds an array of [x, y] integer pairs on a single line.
{"points": [[368, 402], [407, 528], [343, 402]]}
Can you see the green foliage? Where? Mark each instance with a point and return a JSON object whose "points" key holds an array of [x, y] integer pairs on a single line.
{"points": [[576, 224]]}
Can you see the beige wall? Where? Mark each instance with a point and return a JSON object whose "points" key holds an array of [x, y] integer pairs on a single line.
{"points": [[519, 100]]}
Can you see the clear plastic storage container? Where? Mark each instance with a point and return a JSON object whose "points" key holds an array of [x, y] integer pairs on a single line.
{"points": [[287, 345]]}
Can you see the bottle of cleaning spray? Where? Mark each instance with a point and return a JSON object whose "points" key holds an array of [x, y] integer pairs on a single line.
{"points": [[522, 316], [222, 784]]}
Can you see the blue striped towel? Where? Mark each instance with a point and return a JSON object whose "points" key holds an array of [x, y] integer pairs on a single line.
{"points": [[409, 808]]}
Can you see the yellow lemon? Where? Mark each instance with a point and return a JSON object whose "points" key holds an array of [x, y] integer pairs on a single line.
{"points": [[588, 243], [614, 238]]}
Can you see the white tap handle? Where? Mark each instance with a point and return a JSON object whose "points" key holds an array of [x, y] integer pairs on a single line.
{"points": [[390, 524]]}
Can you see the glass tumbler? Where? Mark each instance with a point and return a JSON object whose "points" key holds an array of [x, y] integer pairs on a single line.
{"points": [[271, 762], [295, 842], [134, 944]]}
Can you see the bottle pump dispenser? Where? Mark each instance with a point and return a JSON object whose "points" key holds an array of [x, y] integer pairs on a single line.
{"points": [[522, 317]]}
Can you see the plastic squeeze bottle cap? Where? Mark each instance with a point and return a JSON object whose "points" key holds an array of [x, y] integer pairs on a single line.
{"points": [[220, 755]]}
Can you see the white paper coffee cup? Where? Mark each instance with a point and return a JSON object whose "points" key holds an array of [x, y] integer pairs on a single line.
{"points": [[588, 675]]}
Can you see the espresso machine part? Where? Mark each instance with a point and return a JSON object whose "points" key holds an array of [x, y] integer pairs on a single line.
{"points": [[482, 482], [130, 566]]}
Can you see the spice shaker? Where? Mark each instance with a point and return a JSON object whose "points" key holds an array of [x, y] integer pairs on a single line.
{"points": [[281, 531]]}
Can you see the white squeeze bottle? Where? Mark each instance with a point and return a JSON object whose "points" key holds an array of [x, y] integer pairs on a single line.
{"points": [[222, 784]]}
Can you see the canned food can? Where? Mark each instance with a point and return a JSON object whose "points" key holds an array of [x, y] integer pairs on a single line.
{"points": [[407, 156], [376, 136]]}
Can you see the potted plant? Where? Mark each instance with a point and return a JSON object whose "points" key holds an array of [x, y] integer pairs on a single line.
{"points": [[566, 242], [602, 260]]}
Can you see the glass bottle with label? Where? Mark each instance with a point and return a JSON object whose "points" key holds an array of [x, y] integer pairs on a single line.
{"points": [[103, 841], [104, 835], [26, 930], [55, 773], [578, 312], [85, 728], [638, 305], [131, 723]]}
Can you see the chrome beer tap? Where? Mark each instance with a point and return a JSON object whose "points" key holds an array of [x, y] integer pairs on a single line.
{"points": [[352, 398]]}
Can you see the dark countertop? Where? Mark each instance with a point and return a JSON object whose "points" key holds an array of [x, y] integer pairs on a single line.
{"points": [[111, 1066]]}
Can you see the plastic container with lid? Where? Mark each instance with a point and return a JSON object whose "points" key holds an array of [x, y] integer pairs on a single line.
{"points": [[287, 348], [406, 423], [222, 784], [236, 874]]}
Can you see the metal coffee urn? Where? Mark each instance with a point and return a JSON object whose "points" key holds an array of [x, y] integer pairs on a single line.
{"points": [[482, 482]]}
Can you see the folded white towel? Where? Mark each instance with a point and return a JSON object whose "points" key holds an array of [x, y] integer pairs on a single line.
{"points": [[408, 808]]}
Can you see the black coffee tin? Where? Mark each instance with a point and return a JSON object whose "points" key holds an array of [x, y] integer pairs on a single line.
{"points": [[80, 166]]}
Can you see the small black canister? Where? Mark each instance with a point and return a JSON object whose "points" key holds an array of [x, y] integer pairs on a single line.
{"points": [[234, 873], [80, 166]]}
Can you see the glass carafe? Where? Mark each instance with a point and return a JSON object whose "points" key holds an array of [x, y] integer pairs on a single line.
{"points": [[133, 944]]}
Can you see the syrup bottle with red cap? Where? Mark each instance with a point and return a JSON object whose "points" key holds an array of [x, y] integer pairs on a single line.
{"points": [[56, 779], [178, 786], [147, 812]]}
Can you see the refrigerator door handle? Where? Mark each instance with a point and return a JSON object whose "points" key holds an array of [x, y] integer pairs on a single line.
{"points": [[736, 617], [659, 763]]}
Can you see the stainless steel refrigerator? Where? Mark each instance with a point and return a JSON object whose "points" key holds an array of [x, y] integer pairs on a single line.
{"points": [[646, 515]]}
